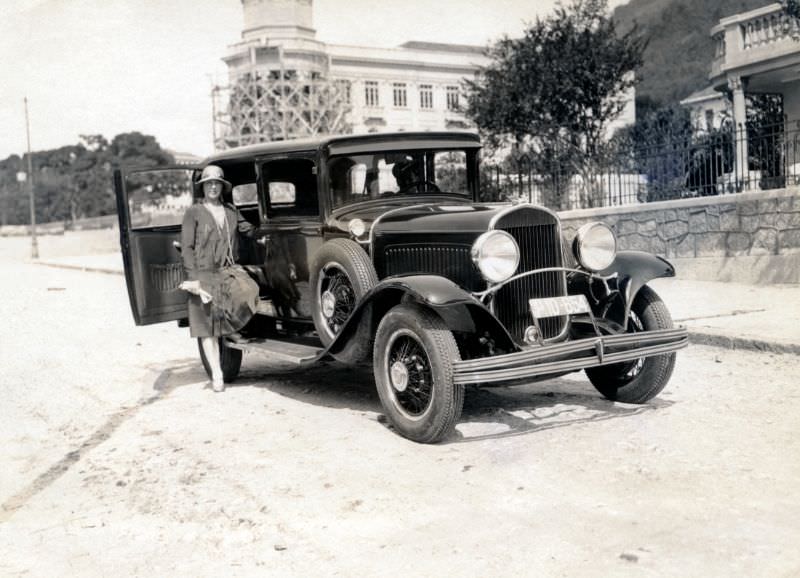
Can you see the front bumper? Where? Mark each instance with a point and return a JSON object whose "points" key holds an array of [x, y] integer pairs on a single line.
{"points": [[570, 356]]}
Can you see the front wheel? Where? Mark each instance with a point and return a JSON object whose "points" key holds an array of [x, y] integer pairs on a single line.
{"points": [[641, 380], [230, 360], [413, 363], [341, 274]]}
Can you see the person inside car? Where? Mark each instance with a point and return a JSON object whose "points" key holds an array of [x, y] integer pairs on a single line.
{"points": [[406, 173]]}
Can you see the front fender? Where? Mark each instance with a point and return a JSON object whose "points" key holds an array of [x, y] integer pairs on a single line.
{"points": [[632, 271], [459, 309]]}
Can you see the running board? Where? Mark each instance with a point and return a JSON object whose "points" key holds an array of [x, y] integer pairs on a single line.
{"points": [[280, 350]]}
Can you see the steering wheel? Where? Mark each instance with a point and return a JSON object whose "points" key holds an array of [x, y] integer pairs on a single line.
{"points": [[414, 187]]}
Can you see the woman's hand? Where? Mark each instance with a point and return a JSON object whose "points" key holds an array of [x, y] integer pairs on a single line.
{"points": [[194, 288]]}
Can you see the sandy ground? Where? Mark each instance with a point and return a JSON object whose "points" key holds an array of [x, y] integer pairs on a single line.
{"points": [[117, 461]]}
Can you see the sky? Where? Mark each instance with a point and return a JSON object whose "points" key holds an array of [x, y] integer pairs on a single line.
{"points": [[113, 66]]}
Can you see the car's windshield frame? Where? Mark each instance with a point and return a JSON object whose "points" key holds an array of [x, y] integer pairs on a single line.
{"points": [[398, 174]]}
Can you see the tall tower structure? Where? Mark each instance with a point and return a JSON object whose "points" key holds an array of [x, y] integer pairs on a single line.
{"points": [[278, 79]]}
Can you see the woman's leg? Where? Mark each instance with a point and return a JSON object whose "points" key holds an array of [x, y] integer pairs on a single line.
{"points": [[211, 349]]}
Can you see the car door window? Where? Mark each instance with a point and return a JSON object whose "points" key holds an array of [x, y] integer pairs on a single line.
{"points": [[291, 186], [158, 198]]}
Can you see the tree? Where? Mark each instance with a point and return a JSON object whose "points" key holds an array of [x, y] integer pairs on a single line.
{"points": [[74, 181], [791, 8], [555, 90], [660, 146]]}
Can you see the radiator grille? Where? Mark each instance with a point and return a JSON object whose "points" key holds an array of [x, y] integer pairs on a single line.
{"points": [[451, 261], [540, 247], [538, 236]]}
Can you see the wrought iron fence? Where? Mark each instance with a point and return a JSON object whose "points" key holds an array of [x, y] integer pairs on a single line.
{"points": [[662, 167]]}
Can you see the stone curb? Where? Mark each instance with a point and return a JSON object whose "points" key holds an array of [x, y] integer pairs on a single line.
{"points": [[105, 270], [695, 337], [727, 342]]}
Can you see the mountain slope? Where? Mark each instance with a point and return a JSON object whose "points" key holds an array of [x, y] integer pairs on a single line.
{"points": [[678, 58]]}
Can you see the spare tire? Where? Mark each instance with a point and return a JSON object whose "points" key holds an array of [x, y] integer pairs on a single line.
{"points": [[341, 274]]}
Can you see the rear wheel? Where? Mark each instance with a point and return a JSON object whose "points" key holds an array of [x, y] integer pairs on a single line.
{"points": [[413, 363], [230, 360], [640, 380]]}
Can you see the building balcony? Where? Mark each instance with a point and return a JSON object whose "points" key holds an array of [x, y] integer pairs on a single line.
{"points": [[759, 45]]}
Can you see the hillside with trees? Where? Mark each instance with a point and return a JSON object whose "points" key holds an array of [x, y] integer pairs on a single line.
{"points": [[74, 181], [677, 59]]}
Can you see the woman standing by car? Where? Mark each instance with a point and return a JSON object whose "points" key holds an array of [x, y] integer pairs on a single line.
{"points": [[222, 298]]}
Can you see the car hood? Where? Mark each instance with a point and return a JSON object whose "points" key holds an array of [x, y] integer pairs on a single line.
{"points": [[421, 219]]}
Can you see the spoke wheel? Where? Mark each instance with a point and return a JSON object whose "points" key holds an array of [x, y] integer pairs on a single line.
{"points": [[413, 363], [409, 374], [341, 274], [336, 296], [640, 380]]}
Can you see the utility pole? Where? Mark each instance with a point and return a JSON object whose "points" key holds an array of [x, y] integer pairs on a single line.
{"points": [[32, 200], [4, 218]]}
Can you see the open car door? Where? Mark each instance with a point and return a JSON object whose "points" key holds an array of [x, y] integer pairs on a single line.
{"points": [[150, 206]]}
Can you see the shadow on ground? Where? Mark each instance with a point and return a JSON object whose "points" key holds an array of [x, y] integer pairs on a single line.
{"points": [[499, 412], [489, 412]]}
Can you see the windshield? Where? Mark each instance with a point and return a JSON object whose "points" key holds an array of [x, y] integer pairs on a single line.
{"points": [[363, 177]]}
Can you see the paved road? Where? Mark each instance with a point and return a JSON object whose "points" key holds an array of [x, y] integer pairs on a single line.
{"points": [[116, 461]]}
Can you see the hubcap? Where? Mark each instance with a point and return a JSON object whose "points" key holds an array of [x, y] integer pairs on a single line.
{"points": [[328, 304], [410, 375], [399, 375], [337, 299]]}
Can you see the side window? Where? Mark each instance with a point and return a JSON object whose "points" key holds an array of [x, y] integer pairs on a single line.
{"points": [[245, 195], [291, 186], [282, 194]]}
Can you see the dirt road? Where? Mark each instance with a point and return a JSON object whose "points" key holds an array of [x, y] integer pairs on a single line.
{"points": [[117, 461]]}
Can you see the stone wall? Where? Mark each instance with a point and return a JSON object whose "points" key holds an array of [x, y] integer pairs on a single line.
{"points": [[749, 237]]}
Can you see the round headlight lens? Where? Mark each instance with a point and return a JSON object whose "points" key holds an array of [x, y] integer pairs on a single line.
{"points": [[595, 246], [496, 254], [356, 227]]}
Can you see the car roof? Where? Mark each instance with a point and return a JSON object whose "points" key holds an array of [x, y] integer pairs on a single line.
{"points": [[346, 144]]}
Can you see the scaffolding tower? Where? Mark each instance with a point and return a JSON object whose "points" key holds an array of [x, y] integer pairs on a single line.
{"points": [[262, 106]]}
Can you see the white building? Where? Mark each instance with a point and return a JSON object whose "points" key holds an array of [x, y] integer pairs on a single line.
{"points": [[709, 109], [283, 82], [758, 52]]}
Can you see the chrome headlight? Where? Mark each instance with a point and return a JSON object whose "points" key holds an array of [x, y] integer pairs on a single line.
{"points": [[356, 227], [595, 246], [496, 255]]}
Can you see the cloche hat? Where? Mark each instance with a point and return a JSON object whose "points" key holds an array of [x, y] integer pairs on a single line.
{"points": [[214, 173]]}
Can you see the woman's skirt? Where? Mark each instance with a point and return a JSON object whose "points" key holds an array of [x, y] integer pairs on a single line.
{"points": [[234, 300]]}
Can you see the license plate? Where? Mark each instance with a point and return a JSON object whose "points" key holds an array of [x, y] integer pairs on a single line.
{"points": [[559, 306]]}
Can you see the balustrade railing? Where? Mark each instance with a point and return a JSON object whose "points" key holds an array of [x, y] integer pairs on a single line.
{"points": [[766, 29]]}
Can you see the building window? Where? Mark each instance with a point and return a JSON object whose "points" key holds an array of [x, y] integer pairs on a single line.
{"points": [[426, 96], [452, 98], [371, 93], [344, 90], [709, 119], [399, 94]]}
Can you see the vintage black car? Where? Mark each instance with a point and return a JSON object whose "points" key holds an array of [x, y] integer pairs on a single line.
{"points": [[374, 248]]}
